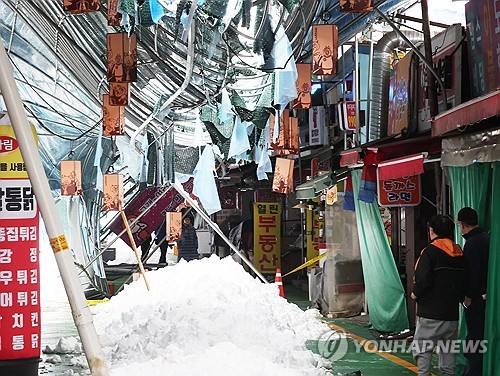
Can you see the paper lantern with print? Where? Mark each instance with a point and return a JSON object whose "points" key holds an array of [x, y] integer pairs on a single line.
{"points": [[303, 83], [71, 178], [113, 192], [118, 93], [113, 118], [82, 6], [122, 57], [283, 175], [114, 17], [356, 6], [325, 45], [288, 140], [174, 226]]}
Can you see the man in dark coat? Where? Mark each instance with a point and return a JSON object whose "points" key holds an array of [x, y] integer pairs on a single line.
{"points": [[438, 289], [476, 251], [188, 245]]}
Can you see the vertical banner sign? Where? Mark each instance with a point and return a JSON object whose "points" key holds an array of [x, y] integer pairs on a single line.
{"points": [[118, 94], [398, 96], [113, 118], [325, 44], [399, 192], [122, 57], [19, 262], [483, 33], [347, 115], [283, 175], [113, 192], [288, 140], [313, 226], [71, 178], [303, 83], [316, 125], [174, 226], [356, 6], [267, 236], [114, 17]]}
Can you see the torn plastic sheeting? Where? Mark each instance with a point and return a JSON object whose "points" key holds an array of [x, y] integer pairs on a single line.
{"points": [[239, 139], [285, 89], [224, 110], [198, 134], [204, 182], [262, 156]]}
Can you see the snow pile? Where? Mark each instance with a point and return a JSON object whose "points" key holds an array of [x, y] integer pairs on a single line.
{"points": [[65, 345], [207, 317]]}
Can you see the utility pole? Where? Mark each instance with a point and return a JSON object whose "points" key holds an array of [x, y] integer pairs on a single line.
{"points": [[431, 84]]}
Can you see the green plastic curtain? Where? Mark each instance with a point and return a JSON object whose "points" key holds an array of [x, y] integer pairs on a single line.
{"points": [[384, 291], [492, 329], [470, 186]]}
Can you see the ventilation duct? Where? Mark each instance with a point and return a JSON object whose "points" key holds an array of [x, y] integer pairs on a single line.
{"points": [[379, 107]]}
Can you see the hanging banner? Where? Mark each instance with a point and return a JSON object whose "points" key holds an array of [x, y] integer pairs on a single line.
{"points": [[283, 175], [71, 178], [356, 6], [267, 237], [316, 125], [81, 6], [151, 221], [113, 192], [113, 118], [325, 44], [114, 17], [288, 139], [404, 191], [118, 94], [122, 57], [19, 254], [303, 83], [174, 226], [332, 195]]}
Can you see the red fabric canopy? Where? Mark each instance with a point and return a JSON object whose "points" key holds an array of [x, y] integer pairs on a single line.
{"points": [[399, 167], [349, 158], [467, 113]]}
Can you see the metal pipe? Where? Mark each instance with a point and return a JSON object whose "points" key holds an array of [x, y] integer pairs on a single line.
{"points": [[81, 312], [355, 88], [216, 228], [369, 91], [179, 91]]}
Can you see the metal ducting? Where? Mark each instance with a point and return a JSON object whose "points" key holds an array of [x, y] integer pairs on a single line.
{"points": [[379, 107]]}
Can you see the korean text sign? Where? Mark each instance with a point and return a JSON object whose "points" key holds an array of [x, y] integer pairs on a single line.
{"points": [[267, 236], [19, 255], [403, 191]]}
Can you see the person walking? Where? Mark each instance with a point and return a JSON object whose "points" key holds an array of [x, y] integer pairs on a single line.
{"points": [[188, 245], [476, 251], [438, 289]]}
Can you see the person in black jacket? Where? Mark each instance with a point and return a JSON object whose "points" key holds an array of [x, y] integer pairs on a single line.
{"points": [[188, 245], [476, 251], [439, 288]]}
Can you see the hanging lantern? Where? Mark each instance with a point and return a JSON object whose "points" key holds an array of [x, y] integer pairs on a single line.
{"points": [[71, 178], [283, 175], [113, 118], [174, 226], [325, 43], [283, 127], [118, 94], [122, 57], [303, 83], [288, 139], [356, 6], [81, 6], [114, 18], [113, 192]]}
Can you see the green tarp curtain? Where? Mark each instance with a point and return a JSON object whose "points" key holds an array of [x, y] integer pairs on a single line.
{"points": [[384, 290], [478, 186]]}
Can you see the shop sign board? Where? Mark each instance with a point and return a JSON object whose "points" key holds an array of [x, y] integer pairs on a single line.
{"points": [[405, 191], [267, 236], [19, 254], [398, 96]]}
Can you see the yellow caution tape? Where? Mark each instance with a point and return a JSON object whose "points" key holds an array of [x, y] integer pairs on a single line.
{"points": [[95, 302], [307, 263], [59, 243]]}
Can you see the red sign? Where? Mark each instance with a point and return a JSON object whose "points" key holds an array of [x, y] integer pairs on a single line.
{"points": [[152, 220], [347, 115], [318, 166], [267, 237], [19, 264], [403, 191]]}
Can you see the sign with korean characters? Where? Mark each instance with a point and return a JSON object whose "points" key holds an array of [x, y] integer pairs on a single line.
{"points": [[267, 236], [19, 255], [403, 191], [314, 234]]}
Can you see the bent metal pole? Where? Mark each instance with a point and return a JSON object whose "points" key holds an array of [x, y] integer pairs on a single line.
{"points": [[79, 307]]}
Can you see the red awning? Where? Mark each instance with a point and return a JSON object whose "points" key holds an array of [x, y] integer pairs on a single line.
{"points": [[399, 167], [348, 158], [467, 113]]}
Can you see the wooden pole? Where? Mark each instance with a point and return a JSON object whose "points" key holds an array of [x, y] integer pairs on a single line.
{"points": [[134, 247]]}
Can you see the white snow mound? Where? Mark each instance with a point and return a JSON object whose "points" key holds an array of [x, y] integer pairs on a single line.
{"points": [[210, 318]]}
